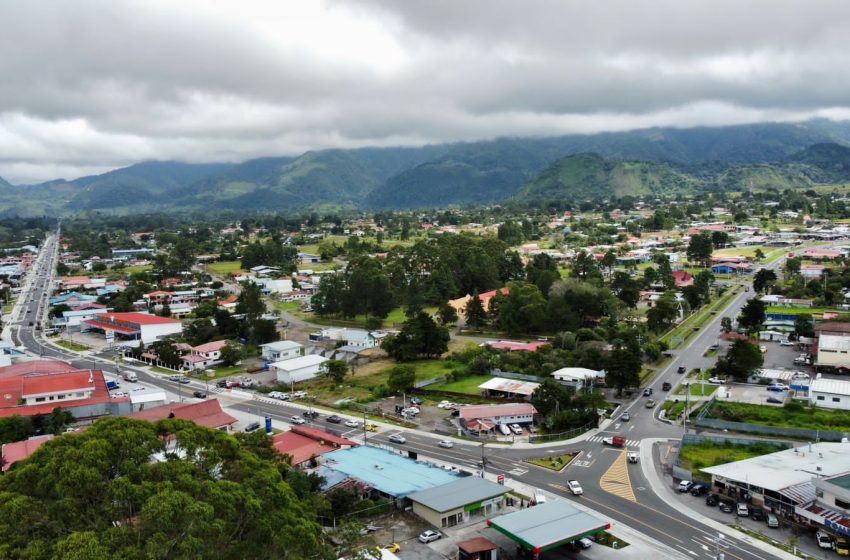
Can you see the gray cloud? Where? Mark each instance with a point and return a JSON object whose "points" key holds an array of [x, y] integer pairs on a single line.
{"points": [[92, 85]]}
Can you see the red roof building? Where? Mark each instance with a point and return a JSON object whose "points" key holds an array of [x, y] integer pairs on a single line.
{"points": [[36, 366], [20, 450], [683, 278], [135, 326], [499, 413], [512, 346], [82, 392], [302, 443], [207, 413]]}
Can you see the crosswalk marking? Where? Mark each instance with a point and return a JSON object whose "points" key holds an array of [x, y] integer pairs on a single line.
{"points": [[629, 442], [518, 472]]}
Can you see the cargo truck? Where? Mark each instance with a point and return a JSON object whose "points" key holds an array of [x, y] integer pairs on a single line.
{"points": [[130, 376]]}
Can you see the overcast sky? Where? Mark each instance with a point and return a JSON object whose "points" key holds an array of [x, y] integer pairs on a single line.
{"points": [[87, 86]]}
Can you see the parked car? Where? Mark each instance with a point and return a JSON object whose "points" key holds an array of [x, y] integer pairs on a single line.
{"points": [[398, 438], [516, 429], [506, 431], [430, 536], [532, 428], [712, 500], [726, 507], [647, 392], [199, 395], [772, 521], [585, 543], [299, 395], [824, 539], [625, 417], [685, 486], [334, 419], [841, 546], [786, 343], [445, 444], [757, 514], [415, 400], [699, 489], [252, 427], [777, 387], [743, 510], [352, 423], [297, 420], [681, 369], [666, 386], [716, 380], [575, 487], [394, 547], [763, 349], [774, 400]]}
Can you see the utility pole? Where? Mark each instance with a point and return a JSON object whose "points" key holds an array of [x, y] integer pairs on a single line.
{"points": [[687, 405]]}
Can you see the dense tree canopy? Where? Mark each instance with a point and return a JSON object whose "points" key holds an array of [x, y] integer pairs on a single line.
{"points": [[134, 490]]}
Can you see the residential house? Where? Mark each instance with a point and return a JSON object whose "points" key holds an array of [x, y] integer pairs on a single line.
{"points": [[204, 355], [207, 413], [281, 350], [304, 444], [512, 413]]}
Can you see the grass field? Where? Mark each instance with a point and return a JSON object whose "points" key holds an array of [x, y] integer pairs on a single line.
{"points": [[134, 269], [70, 345], [801, 310], [710, 454], [395, 318], [224, 268], [467, 385], [698, 389], [811, 418], [554, 462]]}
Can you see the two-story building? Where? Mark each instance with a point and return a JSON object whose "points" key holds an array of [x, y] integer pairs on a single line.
{"points": [[204, 355], [281, 350]]}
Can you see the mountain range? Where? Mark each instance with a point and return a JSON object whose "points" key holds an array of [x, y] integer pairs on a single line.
{"points": [[522, 169]]}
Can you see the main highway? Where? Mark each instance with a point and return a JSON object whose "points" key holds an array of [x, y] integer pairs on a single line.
{"points": [[616, 490]]}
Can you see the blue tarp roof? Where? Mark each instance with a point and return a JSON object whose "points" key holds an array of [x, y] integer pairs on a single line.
{"points": [[387, 472]]}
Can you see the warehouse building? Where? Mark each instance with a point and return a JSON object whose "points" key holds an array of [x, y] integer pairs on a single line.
{"points": [[456, 502]]}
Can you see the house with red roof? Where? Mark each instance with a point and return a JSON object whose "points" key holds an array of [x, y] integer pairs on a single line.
{"points": [[207, 413], [134, 326], [460, 303], [512, 346], [20, 450], [511, 413], [303, 444], [204, 355], [27, 390]]}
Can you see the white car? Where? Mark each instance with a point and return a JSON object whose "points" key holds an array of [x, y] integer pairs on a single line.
{"points": [[446, 443], [398, 438], [633, 457], [516, 429], [297, 420], [786, 343], [575, 487], [352, 423], [275, 394], [430, 536], [444, 404], [299, 395], [716, 380]]}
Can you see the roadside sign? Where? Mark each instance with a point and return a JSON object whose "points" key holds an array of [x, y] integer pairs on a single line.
{"points": [[500, 479]]}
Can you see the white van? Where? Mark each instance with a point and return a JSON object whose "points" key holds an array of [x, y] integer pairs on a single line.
{"points": [[504, 429]]}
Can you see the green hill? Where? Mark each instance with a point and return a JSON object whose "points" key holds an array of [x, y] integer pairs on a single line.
{"points": [[591, 176]]}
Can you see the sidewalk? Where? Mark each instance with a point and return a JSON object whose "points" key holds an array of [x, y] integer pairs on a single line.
{"points": [[663, 489]]}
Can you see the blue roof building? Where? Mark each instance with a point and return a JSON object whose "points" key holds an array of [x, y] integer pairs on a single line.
{"points": [[388, 473]]}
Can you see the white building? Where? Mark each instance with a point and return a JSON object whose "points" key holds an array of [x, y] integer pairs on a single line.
{"points": [[576, 377], [134, 326], [298, 369], [833, 351], [830, 393], [281, 350]]}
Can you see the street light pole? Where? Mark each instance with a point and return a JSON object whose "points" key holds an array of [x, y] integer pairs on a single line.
{"points": [[687, 405]]}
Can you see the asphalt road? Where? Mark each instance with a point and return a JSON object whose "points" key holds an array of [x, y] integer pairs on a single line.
{"points": [[620, 493]]}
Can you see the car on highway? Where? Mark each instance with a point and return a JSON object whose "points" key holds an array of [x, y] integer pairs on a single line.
{"points": [[372, 428], [199, 395], [183, 379], [681, 369], [310, 414], [575, 487], [445, 444], [334, 419], [625, 417], [430, 536], [398, 438], [685, 486], [649, 403], [666, 386], [352, 423], [221, 383], [297, 420], [633, 457], [647, 392]]}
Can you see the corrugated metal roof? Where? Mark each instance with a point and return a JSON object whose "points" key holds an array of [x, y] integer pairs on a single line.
{"points": [[461, 492], [510, 386], [831, 386], [544, 525]]}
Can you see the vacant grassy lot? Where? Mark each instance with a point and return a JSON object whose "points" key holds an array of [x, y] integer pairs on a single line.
{"points": [[134, 269], [395, 318], [224, 268], [467, 385], [710, 454], [795, 416], [800, 310]]}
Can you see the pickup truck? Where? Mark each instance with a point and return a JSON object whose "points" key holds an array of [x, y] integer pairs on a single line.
{"points": [[615, 441]]}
